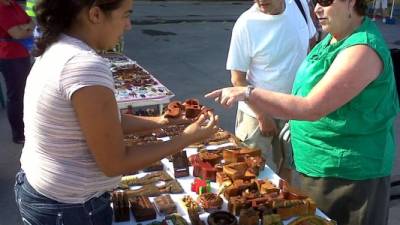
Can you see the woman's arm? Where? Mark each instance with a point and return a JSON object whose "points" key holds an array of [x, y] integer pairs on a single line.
{"points": [[21, 31], [131, 123], [97, 112], [349, 74]]}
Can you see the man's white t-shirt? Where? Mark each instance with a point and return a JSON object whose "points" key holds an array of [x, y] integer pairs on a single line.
{"points": [[270, 48]]}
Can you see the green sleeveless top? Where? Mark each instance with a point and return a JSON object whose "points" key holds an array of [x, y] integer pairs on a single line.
{"points": [[357, 140], [29, 8]]}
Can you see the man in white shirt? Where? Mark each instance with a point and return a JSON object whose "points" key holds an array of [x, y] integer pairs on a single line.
{"points": [[382, 5], [269, 42]]}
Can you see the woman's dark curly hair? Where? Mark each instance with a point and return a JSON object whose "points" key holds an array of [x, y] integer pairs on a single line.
{"points": [[361, 7], [55, 17]]}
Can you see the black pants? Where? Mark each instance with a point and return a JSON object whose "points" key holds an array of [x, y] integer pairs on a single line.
{"points": [[15, 72], [350, 202]]}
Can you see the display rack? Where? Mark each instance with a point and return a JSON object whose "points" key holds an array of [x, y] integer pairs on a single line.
{"points": [[135, 86]]}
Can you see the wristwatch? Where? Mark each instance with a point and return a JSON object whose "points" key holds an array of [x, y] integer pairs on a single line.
{"points": [[247, 93]]}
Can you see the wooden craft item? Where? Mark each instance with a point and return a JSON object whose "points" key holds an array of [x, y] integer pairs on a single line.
{"points": [[266, 187], [221, 217], [271, 219], [174, 109], [150, 178], [142, 208], [255, 164], [181, 164], [200, 186], [235, 170], [154, 189], [264, 196], [120, 206], [133, 76], [194, 217], [202, 169], [165, 204], [311, 220], [238, 155], [249, 217], [192, 108], [211, 157], [238, 186], [236, 204], [190, 204], [210, 201], [288, 192], [174, 219], [251, 194], [171, 187], [221, 177], [220, 166], [294, 208]]}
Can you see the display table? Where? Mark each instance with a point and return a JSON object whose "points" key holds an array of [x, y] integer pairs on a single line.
{"points": [[135, 86], [185, 182]]}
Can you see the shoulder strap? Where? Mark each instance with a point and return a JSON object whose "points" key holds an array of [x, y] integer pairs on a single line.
{"points": [[300, 6]]}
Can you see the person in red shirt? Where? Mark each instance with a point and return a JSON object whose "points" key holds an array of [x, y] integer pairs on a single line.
{"points": [[15, 28]]}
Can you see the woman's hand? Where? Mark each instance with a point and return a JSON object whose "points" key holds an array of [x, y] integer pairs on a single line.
{"points": [[197, 131], [228, 96]]}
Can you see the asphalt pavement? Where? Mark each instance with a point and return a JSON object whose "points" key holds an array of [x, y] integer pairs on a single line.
{"points": [[184, 44]]}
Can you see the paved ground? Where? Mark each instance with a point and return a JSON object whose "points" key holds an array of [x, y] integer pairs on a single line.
{"points": [[185, 45]]}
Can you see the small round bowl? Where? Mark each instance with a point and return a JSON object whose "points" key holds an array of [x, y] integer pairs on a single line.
{"points": [[221, 218]]}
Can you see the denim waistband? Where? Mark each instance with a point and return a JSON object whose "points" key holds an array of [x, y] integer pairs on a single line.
{"points": [[22, 180]]}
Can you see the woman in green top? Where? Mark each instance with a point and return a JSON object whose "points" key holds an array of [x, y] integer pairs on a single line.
{"points": [[342, 109]]}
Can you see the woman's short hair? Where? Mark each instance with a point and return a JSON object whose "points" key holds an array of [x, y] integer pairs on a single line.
{"points": [[55, 17], [361, 7]]}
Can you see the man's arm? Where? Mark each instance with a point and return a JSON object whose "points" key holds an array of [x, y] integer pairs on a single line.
{"points": [[266, 123], [238, 78], [21, 31]]}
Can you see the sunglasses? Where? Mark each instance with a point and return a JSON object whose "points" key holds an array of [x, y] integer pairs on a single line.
{"points": [[325, 3]]}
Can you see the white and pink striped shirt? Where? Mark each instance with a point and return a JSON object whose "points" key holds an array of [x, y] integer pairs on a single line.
{"points": [[56, 157]]}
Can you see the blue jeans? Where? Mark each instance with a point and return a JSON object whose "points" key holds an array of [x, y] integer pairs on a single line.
{"points": [[37, 209]]}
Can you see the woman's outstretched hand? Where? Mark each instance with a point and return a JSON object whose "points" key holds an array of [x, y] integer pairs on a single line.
{"points": [[200, 129], [227, 97]]}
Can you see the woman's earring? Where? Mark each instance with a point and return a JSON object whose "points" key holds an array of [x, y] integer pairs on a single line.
{"points": [[349, 16]]}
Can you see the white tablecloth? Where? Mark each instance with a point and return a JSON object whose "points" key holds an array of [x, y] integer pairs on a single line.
{"points": [[186, 185]]}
